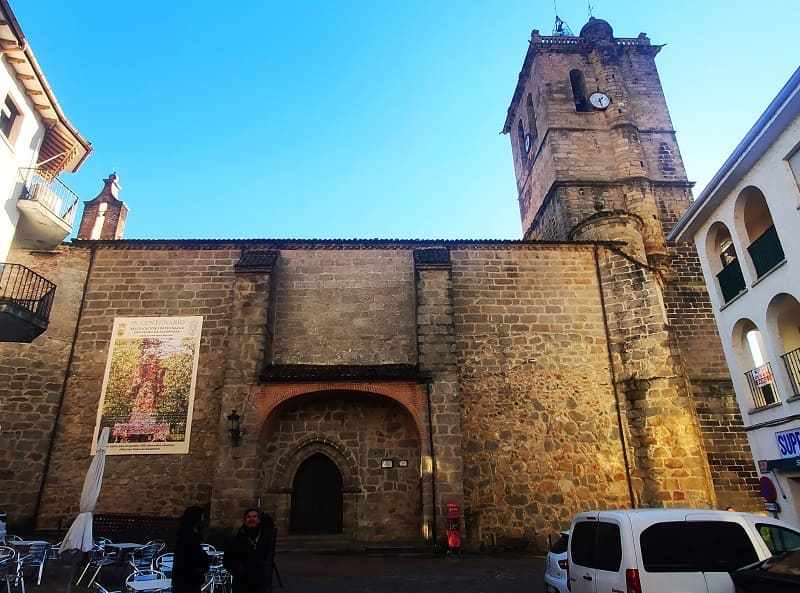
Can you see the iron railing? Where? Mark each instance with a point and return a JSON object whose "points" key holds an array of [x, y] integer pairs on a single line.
{"points": [[766, 251], [762, 385], [27, 290], [792, 361], [731, 281], [50, 192]]}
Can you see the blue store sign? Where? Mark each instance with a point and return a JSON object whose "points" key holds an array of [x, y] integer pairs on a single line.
{"points": [[789, 443]]}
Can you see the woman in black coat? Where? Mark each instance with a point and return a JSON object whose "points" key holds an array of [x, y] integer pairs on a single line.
{"points": [[190, 562]]}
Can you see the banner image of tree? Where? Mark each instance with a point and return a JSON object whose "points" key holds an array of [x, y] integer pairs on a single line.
{"points": [[149, 385]]}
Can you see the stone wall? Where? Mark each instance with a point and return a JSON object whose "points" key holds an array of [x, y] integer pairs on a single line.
{"points": [[174, 281], [32, 381], [540, 435], [668, 455], [345, 306], [515, 412]]}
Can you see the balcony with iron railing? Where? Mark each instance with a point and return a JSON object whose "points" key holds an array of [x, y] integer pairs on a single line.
{"points": [[792, 361], [762, 386], [731, 281], [25, 302], [47, 210], [766, 252]]}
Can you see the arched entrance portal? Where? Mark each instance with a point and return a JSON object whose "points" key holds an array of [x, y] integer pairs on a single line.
{"points": [[316, 497]]}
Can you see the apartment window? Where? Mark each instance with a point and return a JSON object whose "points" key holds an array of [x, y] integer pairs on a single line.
{"points": [[10, 117], [765, 248], [760, 379], [794, 163], [726, 264]]}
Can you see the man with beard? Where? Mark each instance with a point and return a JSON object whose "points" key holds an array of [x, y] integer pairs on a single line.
{"points": [[249, 556]]}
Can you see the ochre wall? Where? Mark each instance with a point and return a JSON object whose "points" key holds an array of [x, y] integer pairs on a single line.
{"points": [[520, 404]]}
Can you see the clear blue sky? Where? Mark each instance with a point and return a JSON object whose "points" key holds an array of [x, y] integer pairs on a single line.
{"points": [[362, 119]]}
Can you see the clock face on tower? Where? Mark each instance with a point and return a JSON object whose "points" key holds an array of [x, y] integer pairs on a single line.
{"points": [[599, 100]]}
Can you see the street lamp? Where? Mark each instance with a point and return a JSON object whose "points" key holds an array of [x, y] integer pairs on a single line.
{"points": [[234, 428]]}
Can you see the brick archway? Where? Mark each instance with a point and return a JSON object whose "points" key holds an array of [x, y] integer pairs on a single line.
{"points": [[356, 427], [410, 395]]}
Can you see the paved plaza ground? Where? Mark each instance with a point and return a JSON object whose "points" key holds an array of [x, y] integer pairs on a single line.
{"points": [[358, 573]]}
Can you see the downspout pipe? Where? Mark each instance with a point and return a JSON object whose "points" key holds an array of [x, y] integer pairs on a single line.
{"points": [[63, 394], [620, 426], [433, 464]]}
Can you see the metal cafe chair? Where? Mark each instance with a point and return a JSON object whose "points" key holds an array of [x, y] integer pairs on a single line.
{"points": [[139, 576], [98, 558], [9, 569], [142, 558], [101, 589], [35, 557], [54, 551], [157, 542], [216, 577], [164, 563]]}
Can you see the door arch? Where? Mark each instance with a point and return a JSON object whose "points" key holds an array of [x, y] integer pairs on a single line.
{"points": [[317, 503]]}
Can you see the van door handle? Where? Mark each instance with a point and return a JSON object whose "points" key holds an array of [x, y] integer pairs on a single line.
{"points": [[586, 577]]}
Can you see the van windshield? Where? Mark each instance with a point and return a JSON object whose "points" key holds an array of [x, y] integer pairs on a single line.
{"points": [[778, 539]]}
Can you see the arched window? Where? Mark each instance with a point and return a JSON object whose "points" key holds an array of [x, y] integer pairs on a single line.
{"points": [[523, 142], [579, 90], [794, 165], [531, 120], [751, 353], [764, 246], [783, 321], [724, 262]]}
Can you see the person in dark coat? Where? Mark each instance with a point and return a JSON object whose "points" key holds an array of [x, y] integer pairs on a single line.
{"points": [[190, 562], [250, 554]]}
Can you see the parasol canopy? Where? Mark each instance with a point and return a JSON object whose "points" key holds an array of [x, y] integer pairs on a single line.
{"points": [[79, 536]]}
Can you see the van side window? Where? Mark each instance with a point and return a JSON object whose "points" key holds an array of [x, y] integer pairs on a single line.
{"points": [[596, 545], [778, 539], [721, 546], [665, 548], [583, 543], [689, 546], [609, 547]]}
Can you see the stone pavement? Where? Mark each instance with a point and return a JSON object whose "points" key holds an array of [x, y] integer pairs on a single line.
{"points": [[359, 573]]}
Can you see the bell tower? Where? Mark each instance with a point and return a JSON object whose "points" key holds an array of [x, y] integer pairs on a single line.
{"points": [[594, 150]]}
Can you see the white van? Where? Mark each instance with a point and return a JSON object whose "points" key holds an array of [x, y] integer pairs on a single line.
{"points": [[669, 550]]}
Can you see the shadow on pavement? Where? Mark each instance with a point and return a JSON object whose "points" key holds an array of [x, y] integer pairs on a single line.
{"points": [[354, 573]]}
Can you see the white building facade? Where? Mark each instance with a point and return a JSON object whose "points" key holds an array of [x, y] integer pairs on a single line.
{"points": [[746, 225], [37, 210]]}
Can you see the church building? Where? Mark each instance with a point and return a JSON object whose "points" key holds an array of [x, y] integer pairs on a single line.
{"points": [[354, 388]]}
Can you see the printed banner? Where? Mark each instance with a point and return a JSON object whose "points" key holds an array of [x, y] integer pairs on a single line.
{"points": [[148, 387]]}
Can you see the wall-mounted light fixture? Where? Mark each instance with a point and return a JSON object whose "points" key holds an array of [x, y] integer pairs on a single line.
{"points": [[234, 428]]}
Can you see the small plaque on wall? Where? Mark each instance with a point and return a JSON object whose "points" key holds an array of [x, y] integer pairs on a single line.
{"points": [[403, 463], [387, 463]]}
